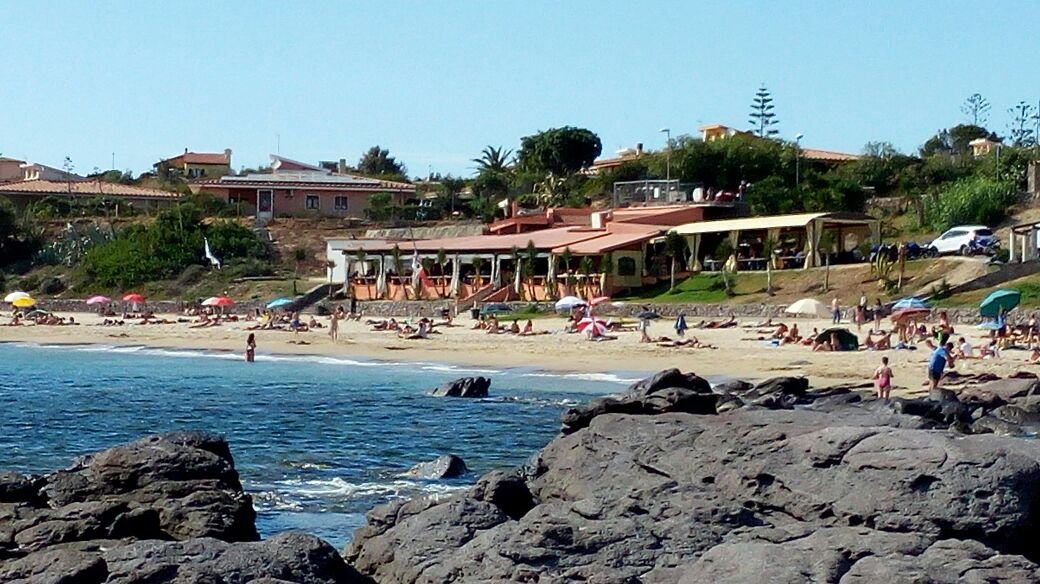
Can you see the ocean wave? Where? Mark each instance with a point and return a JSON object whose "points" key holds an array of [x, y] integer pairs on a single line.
{"points": [[596, 377], [337, 487]]}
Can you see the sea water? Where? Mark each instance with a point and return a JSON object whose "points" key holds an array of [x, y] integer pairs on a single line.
{"points": [[318, 441]]}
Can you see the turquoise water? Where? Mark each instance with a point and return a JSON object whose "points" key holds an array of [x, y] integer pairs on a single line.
{"points": [[317, 440]]}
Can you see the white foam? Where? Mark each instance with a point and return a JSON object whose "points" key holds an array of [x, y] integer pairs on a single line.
{"points": [[597, 377], [338, 487]]}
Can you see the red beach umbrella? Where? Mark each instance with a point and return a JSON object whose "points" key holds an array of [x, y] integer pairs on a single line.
{"points": [[134, 298], [592, 326]]}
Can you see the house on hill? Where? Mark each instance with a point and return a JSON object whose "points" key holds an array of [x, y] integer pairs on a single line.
{"points": [[26, 192], [194, 165], [295, 188]]}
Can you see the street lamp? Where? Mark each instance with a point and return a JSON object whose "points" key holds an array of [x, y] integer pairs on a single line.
{"points": [[797, 160], [668, 160]]}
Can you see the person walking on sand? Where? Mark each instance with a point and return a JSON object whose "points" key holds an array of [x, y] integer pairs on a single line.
{"points": [[250, 348], [835, 311], [941, 357], [883, 379], [644, 330], [877, 314], [334, 326]]}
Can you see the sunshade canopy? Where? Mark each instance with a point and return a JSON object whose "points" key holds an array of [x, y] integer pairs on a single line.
{"points": [[809, 307], [999, 301], [846, 340]]}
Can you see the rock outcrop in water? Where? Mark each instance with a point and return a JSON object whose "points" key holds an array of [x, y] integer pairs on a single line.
{"points": [[447, 466], [464, 387], [166, 508], [674, 482]]}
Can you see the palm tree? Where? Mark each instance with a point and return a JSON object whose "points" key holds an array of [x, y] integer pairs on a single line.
{"points": [[827, 243], [565, 257], [674, 247], [478, 279], [769, 246], [442, 260], [722, 255], [395, 258], [606, 267], [585, 269], [493, 159], [359, 257], [532, 257]]}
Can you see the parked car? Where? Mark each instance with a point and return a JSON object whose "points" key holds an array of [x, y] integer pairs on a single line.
{"points": [[966, 240]]}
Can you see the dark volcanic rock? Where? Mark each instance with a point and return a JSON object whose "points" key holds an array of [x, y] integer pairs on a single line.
{"points": [[110, 518], [667, 379], [447, 466], [749, 495], [464, 387]]}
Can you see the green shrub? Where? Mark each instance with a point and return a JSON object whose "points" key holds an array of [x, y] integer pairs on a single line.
{"points": [[974, 200], [29, 283], [250, 268], [191, 275]]}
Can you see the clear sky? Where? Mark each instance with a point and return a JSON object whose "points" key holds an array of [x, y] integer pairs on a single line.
{"points": [[436, 81]]}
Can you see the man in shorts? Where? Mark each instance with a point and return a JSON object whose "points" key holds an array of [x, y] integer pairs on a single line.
{"points": [[941, 357]]}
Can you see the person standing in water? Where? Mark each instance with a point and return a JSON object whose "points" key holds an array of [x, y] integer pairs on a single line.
{"points": [[334, 325], [250, 348]]}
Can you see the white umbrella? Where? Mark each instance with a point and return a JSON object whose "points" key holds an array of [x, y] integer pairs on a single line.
{"points": [[809, 307], [569, 303], [15, 296]]}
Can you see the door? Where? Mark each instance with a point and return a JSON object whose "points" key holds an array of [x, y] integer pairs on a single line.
{"points": [[265, 204]]}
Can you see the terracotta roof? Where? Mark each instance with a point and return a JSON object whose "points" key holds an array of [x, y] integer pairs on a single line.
{"points": [[83, 188], [306, 179], [828, 155], [212, 158], [611, 241], [6, 159]]}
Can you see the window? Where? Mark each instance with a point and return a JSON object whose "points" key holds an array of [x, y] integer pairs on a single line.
{"points": [[341, 203], [626, 266], [195, 172], [313, 202]]}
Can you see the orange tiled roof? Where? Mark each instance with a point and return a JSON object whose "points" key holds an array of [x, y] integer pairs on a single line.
{"points": [[828, 155], [90, 188], [211, 158]]}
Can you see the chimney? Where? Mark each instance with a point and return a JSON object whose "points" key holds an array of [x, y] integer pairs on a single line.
{"points": [[342, 166], [227, 156], [639, 149], [514, 208]]}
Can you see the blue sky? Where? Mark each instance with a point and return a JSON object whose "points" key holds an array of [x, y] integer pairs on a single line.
{"points": [[436, 81]]}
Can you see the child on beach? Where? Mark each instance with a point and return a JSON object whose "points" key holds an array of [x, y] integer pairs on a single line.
{"points": [[250, 348], [883, 379]]}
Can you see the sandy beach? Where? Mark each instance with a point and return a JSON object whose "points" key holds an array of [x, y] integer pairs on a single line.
{"points": [[739, 352]]}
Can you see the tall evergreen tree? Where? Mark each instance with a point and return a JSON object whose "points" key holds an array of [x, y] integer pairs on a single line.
{"points": [[976, 108], [763, 118], [1021, 128]]}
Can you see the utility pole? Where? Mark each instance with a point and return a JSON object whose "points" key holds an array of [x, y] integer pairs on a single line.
{"points": [[797, 161], [668, 161]]}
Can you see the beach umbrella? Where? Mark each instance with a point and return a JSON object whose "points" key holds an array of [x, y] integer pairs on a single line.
{"points": [[15, 296], [592, 326], [648, 315], [846, 340], [999, 302], [909, 313], [99, 300], [218, 301], [133, 298], [280, 302], [809, 307], [910, 302], [568, 303], [599, 300], [23, 302]]}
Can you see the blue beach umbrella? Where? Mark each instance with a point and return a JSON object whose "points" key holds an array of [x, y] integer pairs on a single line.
{"points": [[910, 303], [279, 302], [999, 301]]}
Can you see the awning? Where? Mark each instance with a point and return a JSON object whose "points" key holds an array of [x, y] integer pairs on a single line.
{"points": [[800, 220]]}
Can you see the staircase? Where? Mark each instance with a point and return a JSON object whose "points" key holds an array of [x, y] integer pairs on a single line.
{"points": [[312, 296]]}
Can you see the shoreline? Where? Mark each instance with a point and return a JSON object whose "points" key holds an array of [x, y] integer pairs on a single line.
{"points": [[738, 353]]}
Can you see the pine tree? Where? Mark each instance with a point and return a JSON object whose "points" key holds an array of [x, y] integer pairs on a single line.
{"points": [[1020, 130], [763, 118], [976, 108]]}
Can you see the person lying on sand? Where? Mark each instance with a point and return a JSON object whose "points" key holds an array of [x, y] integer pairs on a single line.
{"points": [[883, 343], [763, 324], [691, 343]]}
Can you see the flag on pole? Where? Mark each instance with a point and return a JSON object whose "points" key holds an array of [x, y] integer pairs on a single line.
{"points": [[209, 254]]}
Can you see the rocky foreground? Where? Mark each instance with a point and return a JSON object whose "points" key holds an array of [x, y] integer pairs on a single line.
{"points": [[164, 509], [672, 482], [676, 482]]}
